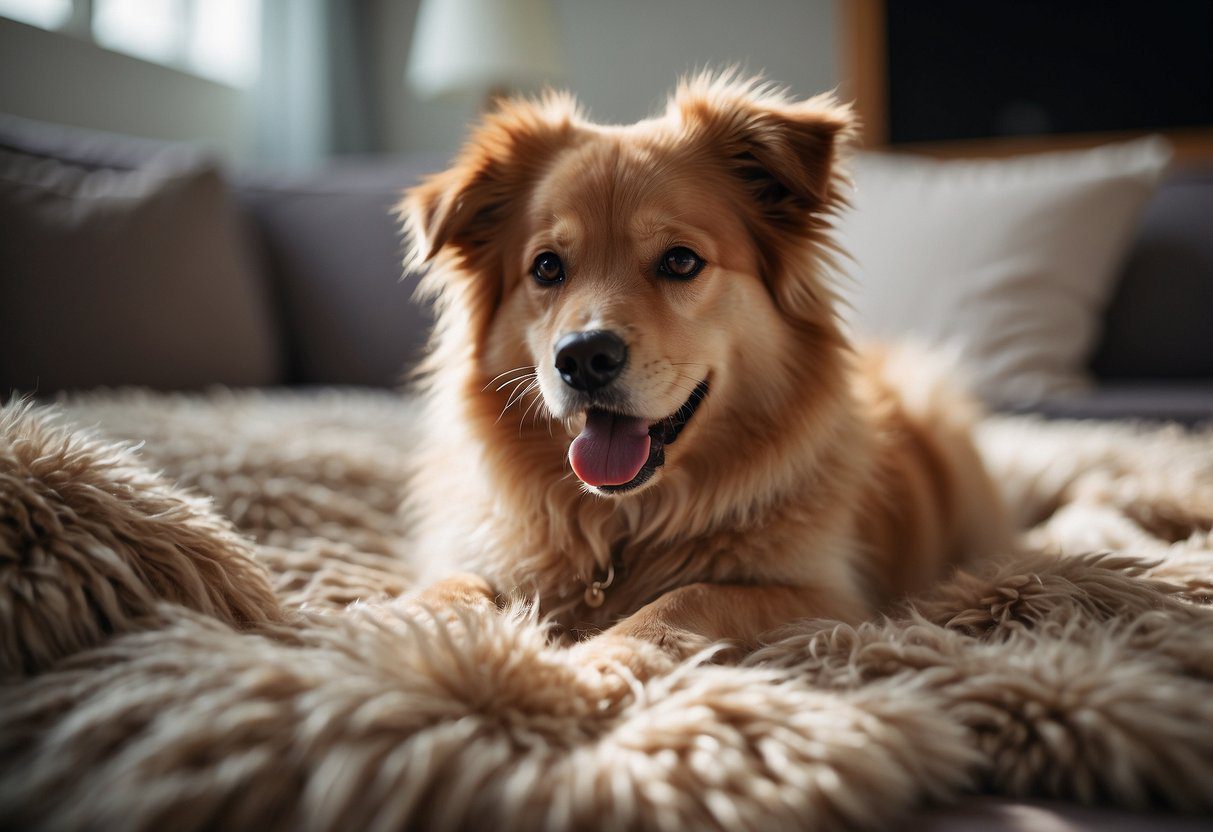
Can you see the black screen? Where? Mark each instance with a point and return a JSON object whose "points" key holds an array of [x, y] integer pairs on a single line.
{"points": [[962, 69]]}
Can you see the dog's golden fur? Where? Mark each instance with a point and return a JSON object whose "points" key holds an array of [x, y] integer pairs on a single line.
{"points": [[813, 481]]}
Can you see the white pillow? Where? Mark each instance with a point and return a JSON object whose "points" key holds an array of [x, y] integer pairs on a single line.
{"points": [[1009, 263]]}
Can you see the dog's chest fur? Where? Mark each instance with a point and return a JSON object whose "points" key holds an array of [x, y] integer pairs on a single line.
{"points": [[586, 581]]}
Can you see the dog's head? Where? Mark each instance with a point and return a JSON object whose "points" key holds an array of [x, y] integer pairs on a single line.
{"points": [[657, 277]]}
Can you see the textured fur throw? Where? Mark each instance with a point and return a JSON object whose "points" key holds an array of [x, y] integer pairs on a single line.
{"points": [[223, 644]]}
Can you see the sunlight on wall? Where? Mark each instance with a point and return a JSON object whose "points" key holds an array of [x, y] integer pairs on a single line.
{"points": [[225, 41], [217, 39], [46, 14], [150, 29]]}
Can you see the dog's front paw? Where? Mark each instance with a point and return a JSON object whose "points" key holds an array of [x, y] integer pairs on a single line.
{"points": [[617, 657], [463, 589], [674, 642], [446, 598]]}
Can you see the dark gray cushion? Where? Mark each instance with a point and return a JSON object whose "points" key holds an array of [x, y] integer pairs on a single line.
{"points": [[115, 277], [92, 149], [1188, 403], [1160, 321], [996, 814], [334, 250], [328, 249]]}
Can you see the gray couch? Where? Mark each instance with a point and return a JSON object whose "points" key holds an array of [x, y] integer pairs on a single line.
{"points": [[1155, 357], [305, 269], [325, 252]]}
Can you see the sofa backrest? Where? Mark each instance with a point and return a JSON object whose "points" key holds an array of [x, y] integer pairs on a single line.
{"points": [[327, 253], [125, 262], [1159, 324], [333, 252], [330, 257]]}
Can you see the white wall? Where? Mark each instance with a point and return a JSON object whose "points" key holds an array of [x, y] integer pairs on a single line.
{"points": [[623, 57], [59, 78], [403, 122]]}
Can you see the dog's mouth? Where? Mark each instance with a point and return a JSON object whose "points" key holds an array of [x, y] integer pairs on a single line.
{"points": [[616, 453]]}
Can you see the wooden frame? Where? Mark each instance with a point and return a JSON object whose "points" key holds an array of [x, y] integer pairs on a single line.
{"points": [[864, 70], [864, 80]]}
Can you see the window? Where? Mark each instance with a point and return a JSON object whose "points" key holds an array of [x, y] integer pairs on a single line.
{"points": [[216, 39]]}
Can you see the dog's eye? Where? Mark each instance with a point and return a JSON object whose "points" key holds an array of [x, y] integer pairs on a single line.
{"points": [[548, 269], [680, 262]]}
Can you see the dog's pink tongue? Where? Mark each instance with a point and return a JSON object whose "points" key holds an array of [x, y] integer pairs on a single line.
{"points": [[611, 449]]}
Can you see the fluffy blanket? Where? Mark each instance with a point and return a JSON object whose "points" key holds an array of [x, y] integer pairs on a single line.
{"points": [[202, 626]]}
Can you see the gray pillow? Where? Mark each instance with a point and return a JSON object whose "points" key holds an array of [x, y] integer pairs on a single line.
{"points": [[126, 277], [334, 249], [1158, 324]]}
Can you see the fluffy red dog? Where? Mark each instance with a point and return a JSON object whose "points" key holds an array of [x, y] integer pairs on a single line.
{"points": [[640, 405]]}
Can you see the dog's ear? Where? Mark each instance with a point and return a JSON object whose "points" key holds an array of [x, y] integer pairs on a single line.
{"points": [[784, 153], [784, 150], [467, 207], [460, 220]]}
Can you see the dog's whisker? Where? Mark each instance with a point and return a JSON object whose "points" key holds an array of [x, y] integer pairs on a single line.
{"points": [[516, 381], [533, 387], [517, 396], [528, 367], [542, 406], [530, 374], [517, 385], [690, 391], [510, 402], [696, 379], [514, 385], [542, 409], [536, 401], [518, 393]]}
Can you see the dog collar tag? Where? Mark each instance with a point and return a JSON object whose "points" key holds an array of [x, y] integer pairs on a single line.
{"points": [[595, 591]]}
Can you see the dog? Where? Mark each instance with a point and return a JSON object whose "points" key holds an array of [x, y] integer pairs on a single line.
{"points": [[640, 406]]}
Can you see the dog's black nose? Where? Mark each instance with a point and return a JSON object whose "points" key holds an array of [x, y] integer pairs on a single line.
{"points": [[588, 361]]}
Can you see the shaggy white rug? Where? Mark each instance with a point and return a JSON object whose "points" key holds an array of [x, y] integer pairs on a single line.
{"points": [[217, 646]]}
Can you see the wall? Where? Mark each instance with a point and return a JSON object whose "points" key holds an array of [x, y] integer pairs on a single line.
{"points": [[623, 57], [402, 122], [59, 78]]}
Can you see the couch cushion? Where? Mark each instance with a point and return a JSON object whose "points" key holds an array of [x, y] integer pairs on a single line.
{"points": [[1160, 321], [995, 814], [115, 277], [1187, 403], [1009, 261], [91, 148], [334, 249]]}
